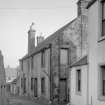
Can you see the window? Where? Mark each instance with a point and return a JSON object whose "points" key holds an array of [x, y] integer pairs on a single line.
{"points": [[78, 82], [32, 62], [24, 84], [43, 85], [21, 82], [103, 18], [31, 83], [64, 56], [43, 58], [103, 80], [35, 83], [22, 65]]}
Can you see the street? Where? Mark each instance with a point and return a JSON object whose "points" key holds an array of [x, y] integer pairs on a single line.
{"points": [[21, 101]]}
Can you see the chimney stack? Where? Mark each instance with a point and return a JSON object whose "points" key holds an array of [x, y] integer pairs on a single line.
{"points": [[31, 39], [40, 39], [81, 7]]}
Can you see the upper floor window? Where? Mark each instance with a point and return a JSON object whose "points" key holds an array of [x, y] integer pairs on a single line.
{"points": [[22, 65], [43, 58], [103, 18], [64, 56], [32, 62]]}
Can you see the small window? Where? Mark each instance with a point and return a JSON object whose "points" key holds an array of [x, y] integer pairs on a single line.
{"points": [[103, 18], [78, 81], [43, 58]]}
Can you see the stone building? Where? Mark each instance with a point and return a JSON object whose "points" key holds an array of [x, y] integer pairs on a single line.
{"points": [[3, 98], [43, 69]]}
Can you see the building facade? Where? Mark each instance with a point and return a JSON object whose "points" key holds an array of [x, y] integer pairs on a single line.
{"points": [[3, 98], [44, 69], [96, 16], [79, 82], [78, 71]]}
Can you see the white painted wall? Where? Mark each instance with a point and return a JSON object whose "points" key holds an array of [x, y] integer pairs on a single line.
{"points": [[78, 98], [96, 53]]}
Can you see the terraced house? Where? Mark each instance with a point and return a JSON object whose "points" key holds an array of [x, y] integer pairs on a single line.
{"points": [[44, 69]]}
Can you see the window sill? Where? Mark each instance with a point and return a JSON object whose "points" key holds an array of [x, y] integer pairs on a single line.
{"points": [[101, 98], [101, 38], [78, 93]]}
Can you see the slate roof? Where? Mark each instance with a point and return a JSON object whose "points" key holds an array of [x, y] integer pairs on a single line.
{"points": [[82, 61], [48, 40], [90, 3]]}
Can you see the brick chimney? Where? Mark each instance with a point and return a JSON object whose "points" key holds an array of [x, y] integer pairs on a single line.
{"points": [[81, 7], [40, 39], [31, 39]]}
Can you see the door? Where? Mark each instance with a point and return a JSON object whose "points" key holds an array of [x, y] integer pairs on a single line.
{"points": [[63, 90]]}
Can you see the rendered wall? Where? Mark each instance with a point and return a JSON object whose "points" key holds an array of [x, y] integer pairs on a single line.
{"points": [[75, 97], [96, 53]]}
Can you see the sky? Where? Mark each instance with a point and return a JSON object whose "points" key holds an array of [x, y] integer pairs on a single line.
{"points": [[16, 17]]}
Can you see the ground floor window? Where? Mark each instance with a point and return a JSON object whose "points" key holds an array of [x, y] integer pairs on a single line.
{"points": [[103, 79], [78, 80], [43, 85], [35, 82], [31, 83], [24, 85]]}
